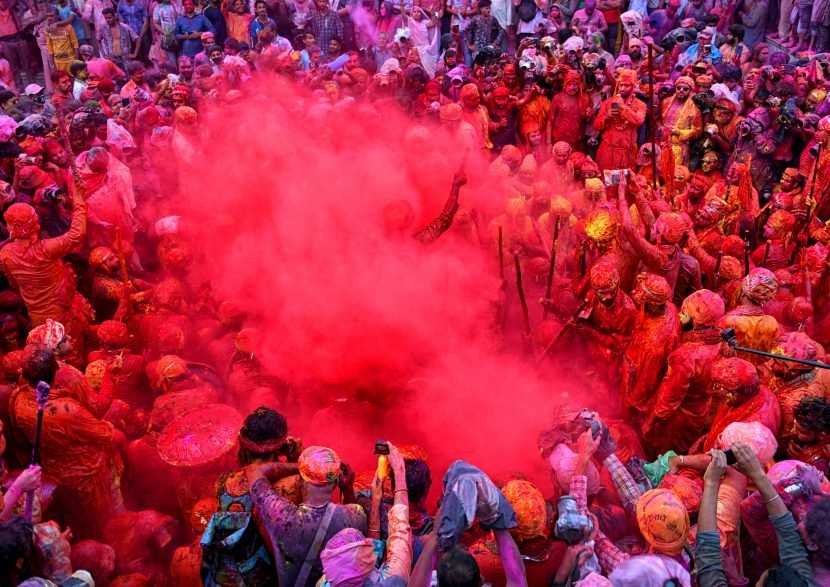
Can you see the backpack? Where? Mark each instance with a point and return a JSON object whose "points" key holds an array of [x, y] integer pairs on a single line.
{"points": [[527, 10], [234, 553]]}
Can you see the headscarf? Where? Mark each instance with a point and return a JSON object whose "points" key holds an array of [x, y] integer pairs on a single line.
{"points": [[649, 571], [755, 434], [686, 489], [604, 276], [663, 521], [31, 177], [113, 334], [656, 289], [52, 333], [601, 226], [22, 221], [781, 221], [705, 307], [348, 558], [169, 367], [734, 374], [800, 346], [671, 226], [562, 148], [760, 285], [529, 504], [685, 79], [627, 76], [319, 465], [450, 112]]}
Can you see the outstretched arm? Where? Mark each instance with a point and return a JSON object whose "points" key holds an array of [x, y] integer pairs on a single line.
{"points": [[444, 220]]}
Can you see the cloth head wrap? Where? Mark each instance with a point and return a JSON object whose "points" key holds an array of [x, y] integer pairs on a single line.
{"points": [[733, 374], [663, 521], [319, 465], [800, 346], [627, 76], [671, 226], [469, 90], [186, 116], [601, 225], [755, 434], [95, 373], [348, 558], [500, 92], [22, 221], [704, 306], [760, 285], [734, 246], [529, 504], [113, 334], [562, 148], [51, 334], [649, 570], [656, 289], [170, 367], [604, 276], [730, 268], [31, 176], [781, 221], [686, 489], [450, 112], [686, 80], [561, 206]]}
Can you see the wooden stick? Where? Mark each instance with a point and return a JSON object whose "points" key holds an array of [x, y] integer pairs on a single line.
{"points": [[552, 265], [522, 300]]}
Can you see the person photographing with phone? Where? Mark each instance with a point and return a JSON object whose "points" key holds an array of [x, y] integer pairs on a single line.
{"points": [[349, 558]]}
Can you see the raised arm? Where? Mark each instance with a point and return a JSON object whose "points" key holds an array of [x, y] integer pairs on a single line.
{"points": [[57, 247]]}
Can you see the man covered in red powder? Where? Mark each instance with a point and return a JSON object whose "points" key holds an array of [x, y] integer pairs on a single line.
{"points": [[656, 334], [681, 409], [745, 399], [76, 447], [570, 112], [619, 120], [35, 269]]}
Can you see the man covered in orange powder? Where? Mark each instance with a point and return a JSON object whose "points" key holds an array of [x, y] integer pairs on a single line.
{"points": [[35, 269], [76, 447], [619, 119]]}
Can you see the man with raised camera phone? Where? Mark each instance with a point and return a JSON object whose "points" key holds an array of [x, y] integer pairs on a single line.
{"points": [[619, 120]]}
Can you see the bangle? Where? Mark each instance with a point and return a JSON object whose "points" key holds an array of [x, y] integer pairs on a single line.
{"points": [[772, 499], [399, 490]]}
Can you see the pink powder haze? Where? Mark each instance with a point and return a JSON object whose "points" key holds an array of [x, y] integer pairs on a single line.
{"points": [[289, 214]]}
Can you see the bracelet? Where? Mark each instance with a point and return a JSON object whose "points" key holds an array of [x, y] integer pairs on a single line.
{"points": [[772, 499], [681, 460], [399, 490]]}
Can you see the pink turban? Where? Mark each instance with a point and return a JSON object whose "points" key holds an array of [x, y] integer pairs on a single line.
{"points": [[348, 558], [754, 434], [760, 285]]}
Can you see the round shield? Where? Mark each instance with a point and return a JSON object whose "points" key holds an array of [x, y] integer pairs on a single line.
{"points": [[200, 437]]}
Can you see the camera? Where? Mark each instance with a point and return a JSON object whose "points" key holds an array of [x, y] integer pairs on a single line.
{"points": [[53, 193], [125, 102], [381, 447], [570, 524], [773, 102]]}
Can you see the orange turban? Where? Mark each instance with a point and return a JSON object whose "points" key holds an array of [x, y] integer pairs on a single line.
{"points": [[688, 490], [731, 268], [627, 76], [319, 465], [22, 221], [663, 521], [604, 276], [529, 504], [733, 374], [95, 372], [704, 306], [781, 221], [656, 289]]}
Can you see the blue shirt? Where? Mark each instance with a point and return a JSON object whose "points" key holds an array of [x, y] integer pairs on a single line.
{"points": [[192, 24], [132, 15], [78, 25], [257, 26]]}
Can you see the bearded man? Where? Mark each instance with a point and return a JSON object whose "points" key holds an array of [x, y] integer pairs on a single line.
{"points": [[619, 120]]}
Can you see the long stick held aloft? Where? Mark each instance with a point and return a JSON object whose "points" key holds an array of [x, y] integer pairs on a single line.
{"points": [[41, 397]]}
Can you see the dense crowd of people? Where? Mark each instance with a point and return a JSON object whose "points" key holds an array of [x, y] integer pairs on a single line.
{"points": [[657, 177]]}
